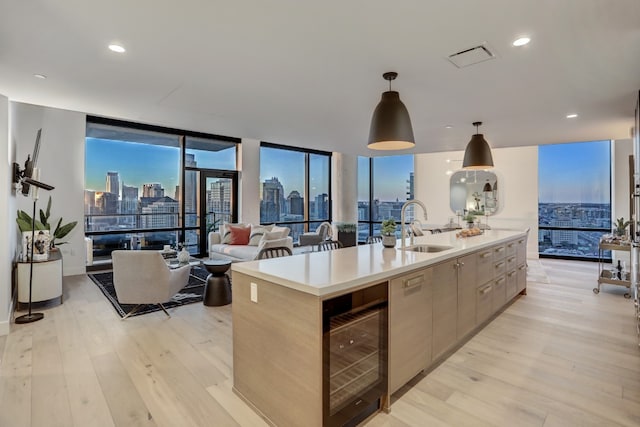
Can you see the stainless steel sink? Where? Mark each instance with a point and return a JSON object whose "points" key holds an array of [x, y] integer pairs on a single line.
{"points": [[428, 248]]}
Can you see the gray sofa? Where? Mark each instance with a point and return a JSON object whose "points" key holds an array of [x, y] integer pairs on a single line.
{"points": [[237, 253]]}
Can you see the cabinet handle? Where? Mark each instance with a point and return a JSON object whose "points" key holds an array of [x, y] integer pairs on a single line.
{"points": [[522, 267], [511, 273], [510, 245], [510, 259], [520, 242], [413, 282], [500, 249], [500, 264], [485, 255], [485, 290], [499, 281]]}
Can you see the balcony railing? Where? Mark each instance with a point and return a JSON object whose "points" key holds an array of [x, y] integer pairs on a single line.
{"points": [[571, 242]]}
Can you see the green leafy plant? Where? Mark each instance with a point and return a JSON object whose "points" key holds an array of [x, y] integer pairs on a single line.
{"points": [[469, 217], [388, 227], [24, 221], [621, 226], [347, 227]]}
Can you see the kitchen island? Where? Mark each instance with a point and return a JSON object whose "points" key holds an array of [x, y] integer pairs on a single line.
{"points": [[436, 301]]}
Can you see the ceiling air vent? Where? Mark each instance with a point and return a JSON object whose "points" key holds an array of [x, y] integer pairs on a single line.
{"points": [[471, 56]]}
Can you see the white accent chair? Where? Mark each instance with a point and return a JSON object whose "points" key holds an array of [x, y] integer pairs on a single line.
{"points": [[143, 277], [322, 233]]}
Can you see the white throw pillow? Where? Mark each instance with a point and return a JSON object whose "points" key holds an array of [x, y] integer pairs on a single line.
{"points": [[283, 230], [272, 235], [257, 231]]}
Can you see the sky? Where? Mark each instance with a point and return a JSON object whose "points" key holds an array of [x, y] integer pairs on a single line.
{"points": [[576, 172], [139, 164]]}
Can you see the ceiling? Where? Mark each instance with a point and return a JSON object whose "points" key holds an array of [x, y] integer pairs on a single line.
{"points": [[309, 74]]}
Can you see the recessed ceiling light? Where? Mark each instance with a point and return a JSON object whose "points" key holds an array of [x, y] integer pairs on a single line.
{"points": [[521, 41], [448, 127], [117, 48], [571, 116], [40, 76]]}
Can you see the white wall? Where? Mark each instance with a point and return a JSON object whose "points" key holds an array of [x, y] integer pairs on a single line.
{"points": [[249, 167], [61, 164], [344, 186], [7, 209], [517, 172]]}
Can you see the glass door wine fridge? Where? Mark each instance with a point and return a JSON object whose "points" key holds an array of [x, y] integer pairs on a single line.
{"points": [[354, 355]]}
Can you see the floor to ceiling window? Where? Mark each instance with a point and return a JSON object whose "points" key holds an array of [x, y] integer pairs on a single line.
{"points": [[294, 187], [147, 186], [384, 184], [574, 201]]}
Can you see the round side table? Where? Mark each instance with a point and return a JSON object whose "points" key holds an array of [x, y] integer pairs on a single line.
{"points": [[217, 291]]}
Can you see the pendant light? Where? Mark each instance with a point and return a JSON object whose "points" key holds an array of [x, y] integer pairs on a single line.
{"points": [[390, 125], [487, 188], [477, 155]]}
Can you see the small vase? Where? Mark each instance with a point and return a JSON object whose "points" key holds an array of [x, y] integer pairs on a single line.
{"points": [[389, 241], [183, 256]]}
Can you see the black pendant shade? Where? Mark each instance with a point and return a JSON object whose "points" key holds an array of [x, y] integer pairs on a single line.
{"points": [[477, 155], [391, 125], [487, 188]]}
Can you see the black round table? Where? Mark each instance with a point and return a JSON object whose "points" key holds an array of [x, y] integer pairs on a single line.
{"points": [[217, 291]]}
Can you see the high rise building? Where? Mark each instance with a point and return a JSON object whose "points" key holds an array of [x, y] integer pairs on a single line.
{"points": [[272, 204], [159, 212], [152, 190], [89, 202], [295, 203], [219, 198], [129, 206], [190, 191], [410, 187], [113, 183], [321, 206]]}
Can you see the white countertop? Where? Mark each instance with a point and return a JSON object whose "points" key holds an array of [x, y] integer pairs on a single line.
{"points": [[333, 272]]}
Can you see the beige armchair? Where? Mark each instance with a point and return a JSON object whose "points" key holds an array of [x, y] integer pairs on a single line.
{"points": [[322, 233], [143, 277]]}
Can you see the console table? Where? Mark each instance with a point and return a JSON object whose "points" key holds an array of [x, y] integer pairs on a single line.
{"points": [[47, 281]]}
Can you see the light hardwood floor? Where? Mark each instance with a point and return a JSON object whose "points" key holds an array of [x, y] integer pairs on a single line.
{"points": [[560, 356]]}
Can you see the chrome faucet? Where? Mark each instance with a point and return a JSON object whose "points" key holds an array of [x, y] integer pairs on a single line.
{"points": [[402, 226]]}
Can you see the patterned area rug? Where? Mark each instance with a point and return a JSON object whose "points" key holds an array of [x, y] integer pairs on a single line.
{"points": [[191, 293]]}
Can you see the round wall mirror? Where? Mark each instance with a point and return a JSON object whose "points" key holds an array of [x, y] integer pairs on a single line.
{"points": [[474, 192]]}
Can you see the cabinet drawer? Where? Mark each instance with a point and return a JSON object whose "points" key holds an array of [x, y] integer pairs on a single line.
{"points": [[521, 250], [511, 248], [484, 303], [511, 262], [484, 263], [499, 252], [511, 285], [499, 295], [499, 268], [521, 277]]}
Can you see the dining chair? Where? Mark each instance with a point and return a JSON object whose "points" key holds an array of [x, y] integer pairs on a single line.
{"points": [[329, 245], [374, 239], [274, 252]]}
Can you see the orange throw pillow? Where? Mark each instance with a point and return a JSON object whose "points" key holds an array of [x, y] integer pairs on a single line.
{"points": [[239, 235]]}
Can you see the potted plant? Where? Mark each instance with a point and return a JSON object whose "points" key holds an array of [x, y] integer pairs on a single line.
{"points": [[621, 227], [24, 224], [347, 233], [388, 231], [469, 218]]}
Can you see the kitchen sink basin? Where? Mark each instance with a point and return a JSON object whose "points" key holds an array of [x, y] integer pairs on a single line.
{"points": [[428, 248]]}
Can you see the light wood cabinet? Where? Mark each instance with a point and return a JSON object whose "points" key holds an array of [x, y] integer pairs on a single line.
{"points": [[445, 306], [484, 302], [466, 271], [511, 287], [484, 265], [521, 278], [498, 294], [410, 335]]}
